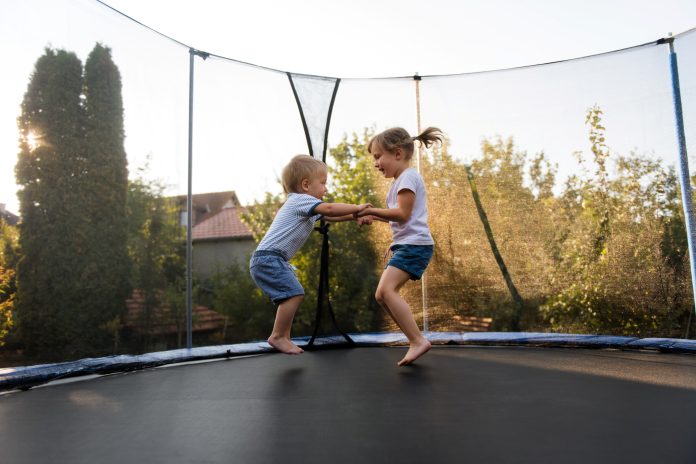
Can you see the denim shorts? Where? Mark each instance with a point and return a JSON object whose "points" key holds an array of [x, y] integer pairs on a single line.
{"points": [[274, 276], [411, 258]]}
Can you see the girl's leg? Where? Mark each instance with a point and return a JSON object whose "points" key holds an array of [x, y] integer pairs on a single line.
{"points": [[280, 338], [388, 297]]}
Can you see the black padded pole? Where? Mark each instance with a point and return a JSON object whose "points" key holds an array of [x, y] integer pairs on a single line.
{"points": [[323, 290]]}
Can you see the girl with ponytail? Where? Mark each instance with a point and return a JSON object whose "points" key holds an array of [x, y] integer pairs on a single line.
{"points": [[407, 214]]}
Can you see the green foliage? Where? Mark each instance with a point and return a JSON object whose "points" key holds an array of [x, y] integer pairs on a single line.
{"points": [[104, 188], [7, 295], [8, 284], [72, 274], [51, 236], [250, 313], [622, 251], [157, 251], [9, 244]]}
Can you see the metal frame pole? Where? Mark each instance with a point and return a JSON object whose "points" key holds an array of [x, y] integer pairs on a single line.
{"points": [[424, 287], [189, 215], [684, 173], [189, 206]]}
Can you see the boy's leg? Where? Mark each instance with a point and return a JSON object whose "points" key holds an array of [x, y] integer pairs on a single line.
{"points": [[280, 338], [389, 298]]}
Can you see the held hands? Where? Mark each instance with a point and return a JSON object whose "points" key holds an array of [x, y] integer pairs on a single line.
{"points": [[363, 217], [361, 208], [361, 212]]}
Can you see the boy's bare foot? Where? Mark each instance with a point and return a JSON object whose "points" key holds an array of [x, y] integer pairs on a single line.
{"points": [[415, 351], [284, 345]]}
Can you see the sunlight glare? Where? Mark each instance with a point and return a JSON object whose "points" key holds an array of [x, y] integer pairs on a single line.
{"points": [[33, 140]]}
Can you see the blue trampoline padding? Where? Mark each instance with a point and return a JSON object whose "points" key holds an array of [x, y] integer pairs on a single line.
{"points": [[30, 376]]}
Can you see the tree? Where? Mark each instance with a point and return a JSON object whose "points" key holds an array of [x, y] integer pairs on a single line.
{"points": [[48, 172], [157, 249], [104, 188], [72, 275], [8, 286], [621, 255]]}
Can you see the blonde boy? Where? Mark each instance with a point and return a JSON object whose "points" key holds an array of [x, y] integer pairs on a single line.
{"points": [[304, 180]]}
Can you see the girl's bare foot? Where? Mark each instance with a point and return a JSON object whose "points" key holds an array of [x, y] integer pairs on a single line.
{"points": [[415, 351], [284, 345]]}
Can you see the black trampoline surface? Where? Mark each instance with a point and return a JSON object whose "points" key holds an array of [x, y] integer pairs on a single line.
{"points": [[457, 404]]}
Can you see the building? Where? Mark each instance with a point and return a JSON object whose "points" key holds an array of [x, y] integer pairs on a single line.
{"points": [[220, 238]]}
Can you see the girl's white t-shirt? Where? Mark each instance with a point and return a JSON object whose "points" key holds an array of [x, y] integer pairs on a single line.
{"points": [[415, 231]]}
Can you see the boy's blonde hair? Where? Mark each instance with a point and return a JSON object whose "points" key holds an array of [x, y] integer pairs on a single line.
{"points": [[299, 168], [397, 137]]}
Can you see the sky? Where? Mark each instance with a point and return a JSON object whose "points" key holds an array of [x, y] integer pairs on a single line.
{"points": [[246, 122], [376, 38]]}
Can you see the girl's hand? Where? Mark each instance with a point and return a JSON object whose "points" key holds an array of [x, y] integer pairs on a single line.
{"points": [[365, 221], [361, 210], [364, 212]]}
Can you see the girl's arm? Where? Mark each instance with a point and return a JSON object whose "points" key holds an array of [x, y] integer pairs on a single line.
{"points": [[347, 217], [367, 220], [402, 213]]}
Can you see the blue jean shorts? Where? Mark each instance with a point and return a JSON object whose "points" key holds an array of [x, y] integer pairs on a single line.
{"points": [[411, 258], [274, 276]]}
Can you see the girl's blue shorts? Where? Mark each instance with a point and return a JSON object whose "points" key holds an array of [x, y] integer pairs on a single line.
{"points": [[274, 276], [411, 258]]}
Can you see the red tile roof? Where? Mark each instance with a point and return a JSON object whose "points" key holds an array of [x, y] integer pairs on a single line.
{"points": [[224, 224], [206, 205], [162, 322]]}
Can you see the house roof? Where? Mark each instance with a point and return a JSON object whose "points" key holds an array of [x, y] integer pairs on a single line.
{"points": [[208, 204], [225, 224], [162, 321]]}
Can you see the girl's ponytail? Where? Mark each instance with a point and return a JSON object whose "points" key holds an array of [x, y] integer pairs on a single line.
{"points": [[430, 136]]}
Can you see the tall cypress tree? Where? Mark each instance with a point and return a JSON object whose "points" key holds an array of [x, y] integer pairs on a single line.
{"points": [[48, 172], [105, 184], [73, 272]]}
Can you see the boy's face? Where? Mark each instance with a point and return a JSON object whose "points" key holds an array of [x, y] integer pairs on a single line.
{"points": [[316, 185]]}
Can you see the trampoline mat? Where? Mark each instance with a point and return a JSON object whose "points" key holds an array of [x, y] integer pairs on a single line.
{"points": [[456, 404]]}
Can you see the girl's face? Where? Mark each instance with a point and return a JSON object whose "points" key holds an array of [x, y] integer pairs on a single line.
{"points": [[390, 164], [316, 185]]}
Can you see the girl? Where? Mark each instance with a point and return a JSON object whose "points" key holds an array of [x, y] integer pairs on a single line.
{"points": [[407, 214]]}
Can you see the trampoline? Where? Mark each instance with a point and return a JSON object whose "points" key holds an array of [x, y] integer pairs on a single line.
{"points": [[488, 397], [459, 403]]}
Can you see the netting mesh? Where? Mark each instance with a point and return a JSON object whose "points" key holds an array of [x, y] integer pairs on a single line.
{"points": [[554, 203]]}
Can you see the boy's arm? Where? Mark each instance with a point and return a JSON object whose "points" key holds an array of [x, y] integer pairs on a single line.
{"points": [[337, 210], [402, 213]]}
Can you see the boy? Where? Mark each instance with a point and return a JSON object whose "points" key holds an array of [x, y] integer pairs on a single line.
{"points": [[304, 180]]}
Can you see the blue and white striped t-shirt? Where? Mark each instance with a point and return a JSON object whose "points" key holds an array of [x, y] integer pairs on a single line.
{"points": [[292, 225]]}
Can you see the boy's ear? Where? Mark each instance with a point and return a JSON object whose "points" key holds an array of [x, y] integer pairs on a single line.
{"points": [[304, 184]]}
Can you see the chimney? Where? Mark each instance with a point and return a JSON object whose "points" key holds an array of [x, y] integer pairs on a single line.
{"points": [[2, 207]]}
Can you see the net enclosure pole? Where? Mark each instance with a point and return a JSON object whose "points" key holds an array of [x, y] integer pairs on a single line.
{"points": [[189, 206], [684, 173], [419, 156], [189, 215]]}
